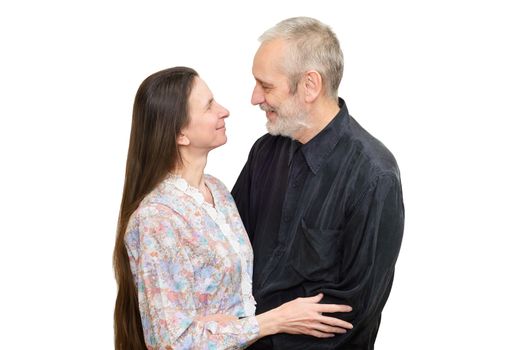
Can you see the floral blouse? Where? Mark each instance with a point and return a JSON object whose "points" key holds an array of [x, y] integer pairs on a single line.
{"points": [[190, 260]]}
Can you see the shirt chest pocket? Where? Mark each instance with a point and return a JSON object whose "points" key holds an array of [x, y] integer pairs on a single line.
{"points": [[315, 253]]}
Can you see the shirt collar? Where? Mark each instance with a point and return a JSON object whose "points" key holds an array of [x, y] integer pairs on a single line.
{"points": [[293, 148], [317, 150]]}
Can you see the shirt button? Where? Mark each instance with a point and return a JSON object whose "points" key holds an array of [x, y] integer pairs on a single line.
{"points": [[287, 218]]}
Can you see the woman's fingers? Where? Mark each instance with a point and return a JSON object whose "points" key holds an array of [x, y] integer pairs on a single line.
{"points": [[321, 330], [335, 322], [313, 299], [319, 334], [333, 308], [329, 329], [304, 316]]}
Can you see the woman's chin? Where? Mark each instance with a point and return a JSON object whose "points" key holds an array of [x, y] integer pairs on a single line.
{"points": [[221, 142]]}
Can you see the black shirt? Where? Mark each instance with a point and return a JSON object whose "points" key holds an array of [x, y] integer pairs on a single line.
{"points": [[326, 216]]}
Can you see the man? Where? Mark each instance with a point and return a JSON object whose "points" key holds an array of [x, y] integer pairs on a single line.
{"points": [[320, 197]]}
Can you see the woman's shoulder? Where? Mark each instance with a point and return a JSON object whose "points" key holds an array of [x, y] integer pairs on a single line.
{"points": [[162, 203], [218, 188], [211, 180]]}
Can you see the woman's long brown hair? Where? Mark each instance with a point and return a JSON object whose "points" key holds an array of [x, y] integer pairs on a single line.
{"points": [[160, 111]]}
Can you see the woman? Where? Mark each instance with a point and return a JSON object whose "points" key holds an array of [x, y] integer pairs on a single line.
{"points": [[182, 259]]}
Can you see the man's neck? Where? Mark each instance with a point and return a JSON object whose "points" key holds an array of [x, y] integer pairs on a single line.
{"points": [[321, 114]]}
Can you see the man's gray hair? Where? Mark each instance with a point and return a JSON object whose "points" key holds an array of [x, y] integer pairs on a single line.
{"points": [[312, 45]]}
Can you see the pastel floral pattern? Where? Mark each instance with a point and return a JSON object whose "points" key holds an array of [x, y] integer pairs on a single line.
{"points": [[190, 260]]}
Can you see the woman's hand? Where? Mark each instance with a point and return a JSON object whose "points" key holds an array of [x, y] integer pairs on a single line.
{"points": [[304, 316]]}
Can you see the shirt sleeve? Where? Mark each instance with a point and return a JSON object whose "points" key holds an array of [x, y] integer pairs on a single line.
{"points": [[164, 276], [371, 242], [373, 236], [241, 193], [370, 245]]}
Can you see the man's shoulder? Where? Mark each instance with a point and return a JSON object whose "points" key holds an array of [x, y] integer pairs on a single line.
{"points": [[369, 149], [268, 143], [270, 140]]}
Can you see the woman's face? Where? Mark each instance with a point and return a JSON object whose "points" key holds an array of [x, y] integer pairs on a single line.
{"points": [[206, 129]]}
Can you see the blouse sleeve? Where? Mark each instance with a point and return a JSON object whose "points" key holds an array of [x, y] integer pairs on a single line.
{"points": [[164, 276]]}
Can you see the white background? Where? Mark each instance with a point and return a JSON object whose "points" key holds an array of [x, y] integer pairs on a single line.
{"points": [[441, 83]]}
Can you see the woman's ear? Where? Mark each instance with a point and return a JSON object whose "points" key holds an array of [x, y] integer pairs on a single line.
{"points": [[182, 140], [313, 85]]}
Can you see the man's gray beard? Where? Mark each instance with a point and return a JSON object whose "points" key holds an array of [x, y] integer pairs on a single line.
{"points": [[289, 121], [286, 126]]}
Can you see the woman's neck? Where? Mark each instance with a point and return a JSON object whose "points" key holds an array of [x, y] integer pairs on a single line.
{"points": [[192, 169]]}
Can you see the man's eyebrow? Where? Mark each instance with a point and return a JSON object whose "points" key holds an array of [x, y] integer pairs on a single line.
{"points": [[263, 82]]}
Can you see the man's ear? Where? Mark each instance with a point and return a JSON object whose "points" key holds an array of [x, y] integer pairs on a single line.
{"points": [[313, 85]]}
